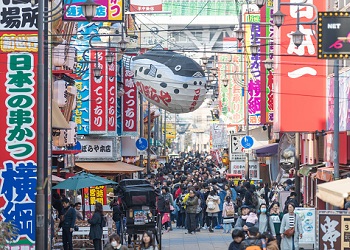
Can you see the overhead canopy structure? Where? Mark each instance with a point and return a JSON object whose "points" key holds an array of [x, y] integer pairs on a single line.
{"points": [[83, 180], [267, 150], [118, 167], [334, 192]]}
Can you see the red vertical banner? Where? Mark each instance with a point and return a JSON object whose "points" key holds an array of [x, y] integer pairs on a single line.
{"points": [[112, 94], [18, 167], [129, 107], [98, 94], [300, 84]]}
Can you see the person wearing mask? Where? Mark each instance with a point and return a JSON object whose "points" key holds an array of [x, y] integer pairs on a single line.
{"points": [[191, 209], [237, 237], [115, 243], [291, 221], [213, 209], [265, 225], [276, 218], [96, 226], [67, 222], [148, 241]]}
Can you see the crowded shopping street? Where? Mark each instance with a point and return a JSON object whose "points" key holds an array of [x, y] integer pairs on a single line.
{"points": [[175, 124]]}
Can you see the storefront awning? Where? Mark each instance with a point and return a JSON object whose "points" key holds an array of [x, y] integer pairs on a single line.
{"points": [[306, 169], [58, 120], [118, 167], [334, 192], [267, 150], [325, 173]]}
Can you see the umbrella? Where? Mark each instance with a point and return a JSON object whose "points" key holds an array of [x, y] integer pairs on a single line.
{"points": [[83, 180]]}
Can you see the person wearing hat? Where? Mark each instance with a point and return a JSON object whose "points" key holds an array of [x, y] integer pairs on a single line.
{"points": [[253, 239], [241, 220], [67, 222]]}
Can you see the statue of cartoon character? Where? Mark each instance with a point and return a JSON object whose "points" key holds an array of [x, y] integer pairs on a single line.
{"points": [[287, 158]]}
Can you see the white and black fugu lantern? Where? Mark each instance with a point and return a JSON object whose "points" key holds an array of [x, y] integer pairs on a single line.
{"points": [[169, 80]]}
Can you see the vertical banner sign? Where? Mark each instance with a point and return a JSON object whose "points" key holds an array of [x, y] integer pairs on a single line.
{"points": [[129, 107], [299, 77], [119, 99], [98, 89], [253, 64], [329, 231], [81, 115], [112, 95], [18, 166], [269, 33]]}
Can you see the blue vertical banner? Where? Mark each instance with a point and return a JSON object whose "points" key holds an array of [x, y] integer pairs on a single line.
{"points": [[81, 44]]}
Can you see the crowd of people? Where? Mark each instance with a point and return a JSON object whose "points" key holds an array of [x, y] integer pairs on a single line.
{"points": [[194, 194]]}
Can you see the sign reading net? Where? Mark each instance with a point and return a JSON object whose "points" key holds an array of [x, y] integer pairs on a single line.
{"points": [[333, 35]]}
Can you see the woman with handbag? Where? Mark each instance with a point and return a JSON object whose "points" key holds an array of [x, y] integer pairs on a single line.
{"points": [[291, 229], [96, 227], [213, 209]]}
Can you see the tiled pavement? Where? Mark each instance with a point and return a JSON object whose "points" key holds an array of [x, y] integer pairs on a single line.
{"points": [[203, 240]]}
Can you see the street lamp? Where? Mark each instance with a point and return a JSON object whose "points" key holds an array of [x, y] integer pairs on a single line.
{"points": [[41, 225], [278, 18], [89, 9], [268, 64]]}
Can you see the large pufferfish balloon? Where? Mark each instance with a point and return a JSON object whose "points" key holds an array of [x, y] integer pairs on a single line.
{"points": [[169, 80]]}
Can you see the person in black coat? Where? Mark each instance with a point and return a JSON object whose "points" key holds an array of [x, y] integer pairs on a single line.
{"points": [[237, 236], [96, 228], [67, 222]]}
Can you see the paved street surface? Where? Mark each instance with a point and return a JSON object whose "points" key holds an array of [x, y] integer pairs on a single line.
{"points": [[203, 240]]}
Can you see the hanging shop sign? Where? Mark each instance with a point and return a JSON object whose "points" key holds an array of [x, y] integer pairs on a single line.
{"points": [[108, 10], [99, 149], [333, 36], [142, 6], [130, 101], [98, 94]]}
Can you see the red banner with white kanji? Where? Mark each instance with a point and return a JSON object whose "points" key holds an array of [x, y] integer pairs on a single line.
{"points": [[98, 90], [112, 94]]}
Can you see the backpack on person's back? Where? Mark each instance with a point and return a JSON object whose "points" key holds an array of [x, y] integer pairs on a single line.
{"points": [[230, 209]]}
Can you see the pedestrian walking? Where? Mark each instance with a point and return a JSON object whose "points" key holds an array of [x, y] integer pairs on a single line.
{"points": [[291, 229], [67, 222], [191, 209], [213, 209], [96, 226], [148, 241]]}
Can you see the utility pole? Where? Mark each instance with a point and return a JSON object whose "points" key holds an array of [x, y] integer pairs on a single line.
{"points": [[141, 126], [149, 139]]}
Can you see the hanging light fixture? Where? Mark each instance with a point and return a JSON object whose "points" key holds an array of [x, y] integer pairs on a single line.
{"points": [[89, 9], [110, 57]]}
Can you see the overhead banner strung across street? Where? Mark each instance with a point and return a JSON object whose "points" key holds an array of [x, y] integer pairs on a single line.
{"points": [[18, 161]]}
